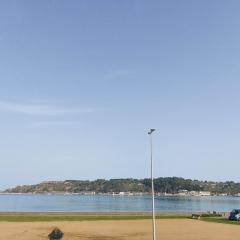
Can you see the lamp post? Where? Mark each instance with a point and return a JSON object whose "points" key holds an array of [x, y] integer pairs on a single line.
{"points": [[153, 202]]}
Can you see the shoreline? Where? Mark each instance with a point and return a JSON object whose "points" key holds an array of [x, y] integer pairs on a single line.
{"points": [[117, 194]]}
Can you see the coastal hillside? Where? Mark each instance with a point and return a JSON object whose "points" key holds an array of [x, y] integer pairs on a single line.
{"points": [[169, 185]]}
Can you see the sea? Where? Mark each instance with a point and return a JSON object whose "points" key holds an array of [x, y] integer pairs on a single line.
{"points": [[114, 203]]}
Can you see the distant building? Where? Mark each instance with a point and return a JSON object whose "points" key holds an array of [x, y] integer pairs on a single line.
{"points": [[204, 193], [193, 193]]}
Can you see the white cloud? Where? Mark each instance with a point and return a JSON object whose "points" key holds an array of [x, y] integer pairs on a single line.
{"points": [[41, 109]]}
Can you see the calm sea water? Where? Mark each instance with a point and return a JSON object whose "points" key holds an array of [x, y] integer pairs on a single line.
{"points": [[99, 203]]}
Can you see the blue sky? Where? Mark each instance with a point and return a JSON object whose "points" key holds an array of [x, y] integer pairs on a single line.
{"points": [[81, 82]]}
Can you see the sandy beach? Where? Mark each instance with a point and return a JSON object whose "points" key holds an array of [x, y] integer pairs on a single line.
{"points": [[167, 229]]}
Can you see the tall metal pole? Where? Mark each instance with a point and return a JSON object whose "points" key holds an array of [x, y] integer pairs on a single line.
{"points": [[153, 200]]}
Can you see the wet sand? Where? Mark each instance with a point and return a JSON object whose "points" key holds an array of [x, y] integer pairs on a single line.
{"points": [[167, 229]]}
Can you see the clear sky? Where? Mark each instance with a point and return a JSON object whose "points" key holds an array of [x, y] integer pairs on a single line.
{"points": [[81, 82]]}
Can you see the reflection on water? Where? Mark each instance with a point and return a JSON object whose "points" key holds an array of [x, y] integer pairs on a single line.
{"points": [[105, 203]]}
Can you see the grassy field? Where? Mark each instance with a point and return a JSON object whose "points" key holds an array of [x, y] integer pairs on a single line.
{"points": [[47, 218], [101, 217], [220, 220]]}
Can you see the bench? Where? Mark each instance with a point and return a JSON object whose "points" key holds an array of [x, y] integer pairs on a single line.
{"points": [[196, 216]]}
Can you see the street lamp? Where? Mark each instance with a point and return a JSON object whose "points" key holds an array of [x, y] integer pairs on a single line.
{"points": [[153, 202]]}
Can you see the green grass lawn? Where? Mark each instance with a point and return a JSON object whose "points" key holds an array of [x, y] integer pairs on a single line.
{"points": [[46, 218], [219, 220], [57, 217]]}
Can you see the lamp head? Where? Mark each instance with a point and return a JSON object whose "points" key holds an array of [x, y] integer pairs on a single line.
{"points": [[151, 131]]}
